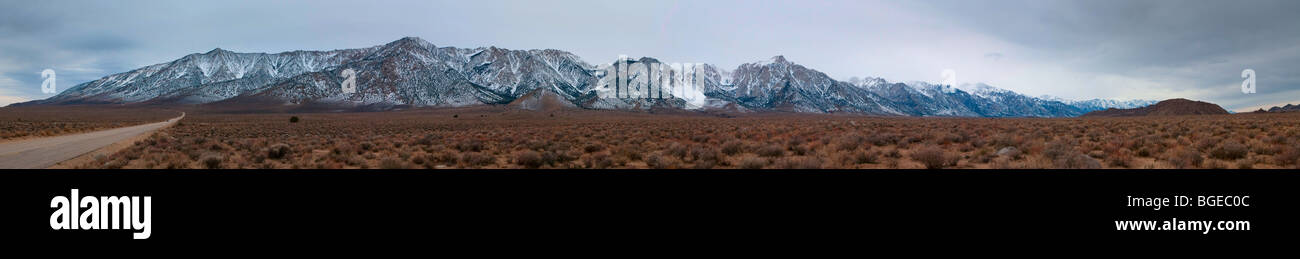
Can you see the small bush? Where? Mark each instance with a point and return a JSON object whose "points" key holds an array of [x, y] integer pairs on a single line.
{"points": [[1059, 150], [629, 152], [529, 159], [1121, 159], [676, 150], [1206, 144], [598, 161], [934, 158], [212, 160], [1077, 161], [477, 159], [733, 147], [293, 119], [702, 153], [278, 151], [470, 145], [771, 151], [392, 163], [850, 142], [1230, 150], [658, 161], [799, 162], [593, 148], [1288, 158], [883, 139], [753, 163], [1185, 158], [865, 157]]}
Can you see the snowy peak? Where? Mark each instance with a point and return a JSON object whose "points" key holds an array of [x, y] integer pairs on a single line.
{"points": [[218, 51], [779, 59], [410, 42], [413, 72]]}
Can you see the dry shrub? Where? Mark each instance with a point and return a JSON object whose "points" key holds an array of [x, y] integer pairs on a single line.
{"points": [[1185, 158], [704, 164], [771, 151], [733, 147], [278, 151], [1215, 164], [392, 163], [892, 153], [799, 162], [1002, 140], [1261, 148], [1230, 150], [1245, 164], [658, 161], [630, 152], [212, 160], [849, 142], [866, 157], [1076, 161], [1288, 158], [676, 150], [1122, 158], [529, 159], [751, 162], [430, 139], [935, 158], [477, 159], [883, 139], [469, 145], [1059, 150], [593, 148], [1206, 144], [703, 153], [598, 161]]}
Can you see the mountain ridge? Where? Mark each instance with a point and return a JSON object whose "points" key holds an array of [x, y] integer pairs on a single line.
{"points": [[1171, 107], [413, 72]]}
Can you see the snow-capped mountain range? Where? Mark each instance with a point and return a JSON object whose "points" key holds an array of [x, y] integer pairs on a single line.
{"points": [[414, 72]]}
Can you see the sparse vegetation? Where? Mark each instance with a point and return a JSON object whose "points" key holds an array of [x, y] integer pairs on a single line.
{"points": [[25, 122], [434, 139], [934, 158]]}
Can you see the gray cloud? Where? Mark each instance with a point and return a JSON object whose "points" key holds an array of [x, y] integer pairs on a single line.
{"points": [[1071, 48], [1195, 47]]}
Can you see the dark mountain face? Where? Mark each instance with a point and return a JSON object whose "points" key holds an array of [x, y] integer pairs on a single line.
{"points": [[1278, 109], [784, 86], [411, 72], [1171, 107]]}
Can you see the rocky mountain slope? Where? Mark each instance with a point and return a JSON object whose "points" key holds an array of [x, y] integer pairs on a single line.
{"points": [[1169, 107], [411, 72]]}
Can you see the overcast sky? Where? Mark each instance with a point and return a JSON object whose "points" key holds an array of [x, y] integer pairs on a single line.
{"points": [[1123, 49]]}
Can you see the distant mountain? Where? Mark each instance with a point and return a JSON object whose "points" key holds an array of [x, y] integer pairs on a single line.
{"points": [[1102, 104], [1280, 109], [411, 72], [1164, 108]]}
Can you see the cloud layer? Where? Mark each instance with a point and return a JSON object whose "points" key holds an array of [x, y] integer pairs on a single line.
{"points": [[1077, 49]]}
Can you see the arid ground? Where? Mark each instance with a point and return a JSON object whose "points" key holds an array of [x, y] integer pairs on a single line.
{"points": [[34, 122], [492, 137]]}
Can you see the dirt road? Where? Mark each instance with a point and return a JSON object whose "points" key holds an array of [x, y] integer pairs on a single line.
{"points": [[45, 152]]}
